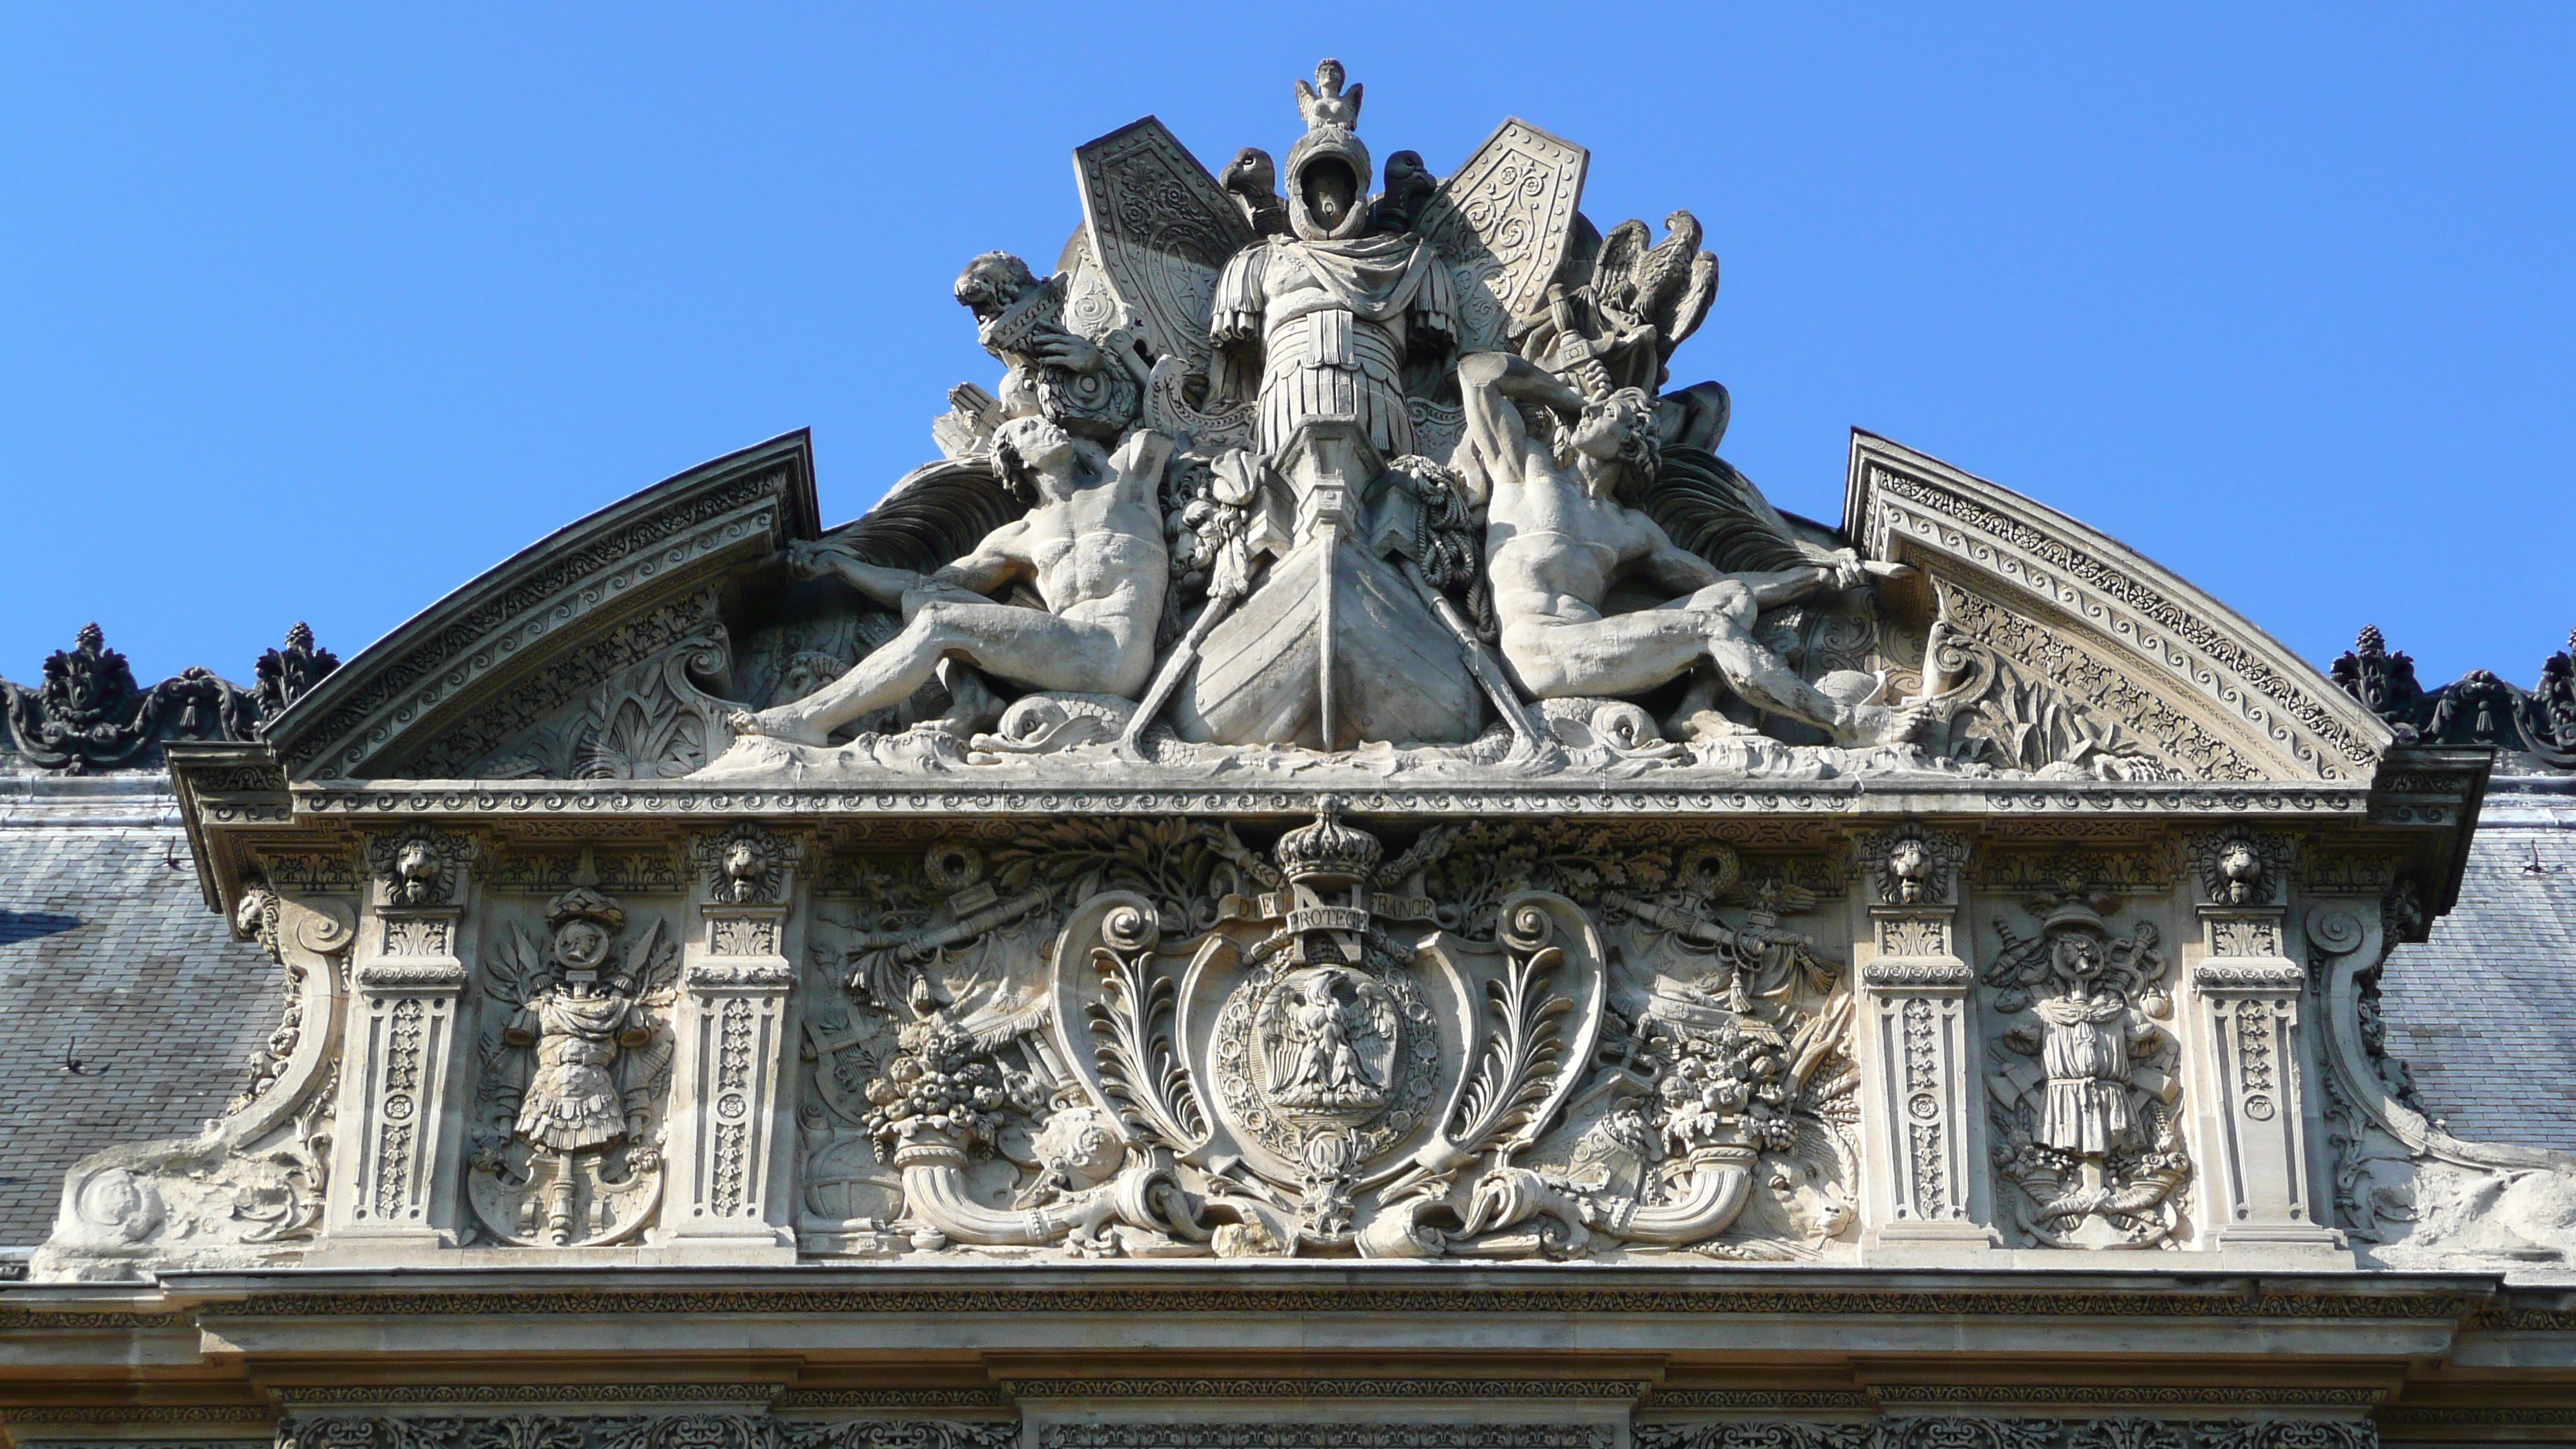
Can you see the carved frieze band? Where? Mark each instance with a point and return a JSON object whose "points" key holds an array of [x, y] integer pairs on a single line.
{"points": [[466, 650], [1949, 1432], [627, 1431], [2184, 745]]}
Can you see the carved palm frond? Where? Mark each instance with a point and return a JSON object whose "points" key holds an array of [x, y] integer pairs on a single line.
{"points": [[1705, 506], [1131, 1032], [1518, 1067]]}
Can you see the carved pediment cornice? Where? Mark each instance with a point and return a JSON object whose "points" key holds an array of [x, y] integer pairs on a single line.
{"points": [[2210, 692], [513, 623]]}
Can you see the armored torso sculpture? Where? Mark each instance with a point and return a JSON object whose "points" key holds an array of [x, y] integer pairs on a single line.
{"points": [[1405, 463]]}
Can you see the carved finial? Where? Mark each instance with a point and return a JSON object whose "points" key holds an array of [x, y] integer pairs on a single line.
{"points": [[91, 639], [2371, 644], [284, 675]]}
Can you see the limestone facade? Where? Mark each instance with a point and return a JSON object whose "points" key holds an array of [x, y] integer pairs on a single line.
{"points": [[1331, 874]]}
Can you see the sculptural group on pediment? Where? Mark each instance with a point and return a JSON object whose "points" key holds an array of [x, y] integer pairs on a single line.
{"points": [[1287, 464]]}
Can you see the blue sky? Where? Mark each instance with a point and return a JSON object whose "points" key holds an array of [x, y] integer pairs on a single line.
{"points": [[317, 312]]}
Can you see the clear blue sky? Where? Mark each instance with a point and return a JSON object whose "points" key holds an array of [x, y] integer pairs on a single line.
{"points": [[316, 312]]}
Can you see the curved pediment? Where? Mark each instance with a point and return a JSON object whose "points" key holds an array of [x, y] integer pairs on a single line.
{"points": [[556, 619], [2080, 624]]}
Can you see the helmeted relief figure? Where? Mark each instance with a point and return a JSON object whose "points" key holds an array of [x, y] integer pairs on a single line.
{"points": [[2089, 1120], [578, 1023], [1091, 547], [1326, 317], [1563, 528]]}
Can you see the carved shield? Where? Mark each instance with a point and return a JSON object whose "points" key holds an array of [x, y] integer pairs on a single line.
{"points": [[1474, 1045], [1161, 229], [1503, 220]]}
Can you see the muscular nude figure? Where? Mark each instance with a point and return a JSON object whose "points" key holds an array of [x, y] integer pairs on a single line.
{"points": [[1092, 546], [1558, 537]]}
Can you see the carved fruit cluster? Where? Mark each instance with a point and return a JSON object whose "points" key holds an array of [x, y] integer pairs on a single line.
{"points": [[1720, 1087], [939, 1083]]}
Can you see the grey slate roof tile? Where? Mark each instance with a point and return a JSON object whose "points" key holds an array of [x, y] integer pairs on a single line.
{"points": [[2484, 1013], [109, 955]]}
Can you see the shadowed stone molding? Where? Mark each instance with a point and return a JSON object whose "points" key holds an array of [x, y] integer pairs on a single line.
{"points": [[1393, 1434], [528, 1430], [400, 693], [2252, 695]]}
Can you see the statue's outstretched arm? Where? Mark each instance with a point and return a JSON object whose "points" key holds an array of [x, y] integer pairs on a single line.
{"points": [[1493, 447], [976, 577]]}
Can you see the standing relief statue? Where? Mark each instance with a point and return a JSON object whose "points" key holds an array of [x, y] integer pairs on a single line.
{"points": [[1335, 474], [575, 1076], [2084, 1097]]}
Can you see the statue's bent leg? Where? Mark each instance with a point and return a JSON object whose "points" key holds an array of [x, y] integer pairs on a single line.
{"points": [[889, 674], [1728, 611]]}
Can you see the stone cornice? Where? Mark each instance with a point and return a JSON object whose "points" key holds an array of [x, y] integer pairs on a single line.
{"points": [[1287, 1289], [1887, 799], [1906, 507], [674, 536]]}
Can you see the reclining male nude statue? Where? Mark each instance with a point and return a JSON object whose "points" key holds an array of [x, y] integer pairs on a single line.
{"points": [[1560, 532], [1092, 546]]}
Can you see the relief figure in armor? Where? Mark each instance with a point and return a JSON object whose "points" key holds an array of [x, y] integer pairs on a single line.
{"points": [[578, 1024], [1092, 548], [2086, 1047], [1563, 527], [1320, 323]]}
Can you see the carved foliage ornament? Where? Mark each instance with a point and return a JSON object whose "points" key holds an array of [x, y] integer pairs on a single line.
{"points": [[1327, 1049]]}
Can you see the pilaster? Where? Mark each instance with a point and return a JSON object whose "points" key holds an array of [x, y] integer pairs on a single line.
{"points": [[2244, 1015], [1919, 1069], [732, 1133], [402, 1125]]}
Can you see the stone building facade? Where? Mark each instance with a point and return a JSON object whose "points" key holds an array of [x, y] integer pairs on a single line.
{"points": [[1329, 875]]}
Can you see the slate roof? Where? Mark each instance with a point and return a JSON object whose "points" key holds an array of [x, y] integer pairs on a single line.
{"points": [[2484, 1013], [108, 953]]}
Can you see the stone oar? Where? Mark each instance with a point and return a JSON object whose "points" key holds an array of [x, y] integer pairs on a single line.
{"points": [[1527, 740], [1168, 678]]}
